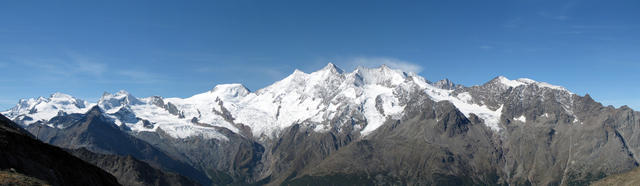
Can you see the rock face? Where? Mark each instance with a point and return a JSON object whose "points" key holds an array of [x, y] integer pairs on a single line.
{"points": [[445, 84], [28, 156], [130, 171], [433, 144], [223, 162], [376, 126], [97, 133]]}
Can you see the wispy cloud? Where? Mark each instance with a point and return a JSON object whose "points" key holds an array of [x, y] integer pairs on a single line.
{"points": [[486, 47], [7, 101], [69, 66], [573, 32], [553, 16], [561, 14], [391, 62], [84, 64], [273, 73], [513, 23], [77, 67], [607, 28], [139, 76], [6, 104]]}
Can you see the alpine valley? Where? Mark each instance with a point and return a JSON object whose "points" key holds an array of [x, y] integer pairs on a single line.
{"points": [[371, 126]]}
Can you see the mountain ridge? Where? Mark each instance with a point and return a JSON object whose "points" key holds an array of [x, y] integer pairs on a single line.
{"points": [[228, 96], [375, 125]]}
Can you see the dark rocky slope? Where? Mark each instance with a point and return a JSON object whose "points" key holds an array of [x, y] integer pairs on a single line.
{"points": [[130, 171], [230, 161], [28, 156], [98, 133], [433, 145]]}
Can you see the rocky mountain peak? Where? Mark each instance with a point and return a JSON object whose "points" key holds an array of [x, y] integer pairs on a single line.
{"points": [[230, 90], [382, 75], [121, 98], [332, 68], [61, 96], [502, 83], [156, 100], [95, 110], [445, 84], [66, 99]]}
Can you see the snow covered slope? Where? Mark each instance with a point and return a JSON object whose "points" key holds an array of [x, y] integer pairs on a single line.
{"points": [[311, 99], [29, 111], [526, 81]]}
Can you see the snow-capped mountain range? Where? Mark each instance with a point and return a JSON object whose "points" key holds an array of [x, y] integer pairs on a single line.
{"points": [[311, 99], [376, 125]]}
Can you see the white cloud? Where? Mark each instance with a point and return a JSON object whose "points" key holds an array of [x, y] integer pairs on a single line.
{"points": [[391, 62]]}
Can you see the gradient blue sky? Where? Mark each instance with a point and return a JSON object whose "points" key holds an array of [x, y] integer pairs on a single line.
{"points": [[177, 49]]}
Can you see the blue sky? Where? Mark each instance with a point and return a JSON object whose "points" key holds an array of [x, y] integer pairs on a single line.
{"points": [[177, 49]]}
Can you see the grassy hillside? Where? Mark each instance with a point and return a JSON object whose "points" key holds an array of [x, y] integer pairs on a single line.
{"points": [[631, 178], [14, 178]]}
